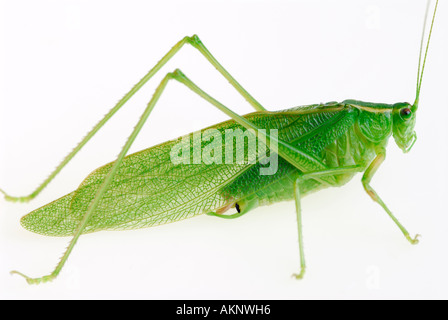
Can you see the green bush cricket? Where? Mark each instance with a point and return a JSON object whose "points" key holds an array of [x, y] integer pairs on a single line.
{"points": [[313, 156]]}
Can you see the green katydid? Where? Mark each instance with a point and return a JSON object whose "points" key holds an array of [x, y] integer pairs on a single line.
{"points": [[318, 146]]}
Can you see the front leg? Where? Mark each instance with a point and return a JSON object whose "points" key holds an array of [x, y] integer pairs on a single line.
{"points": [[367, 177]]}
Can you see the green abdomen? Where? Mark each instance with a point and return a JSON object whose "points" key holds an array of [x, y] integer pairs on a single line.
{"points": [[260, 190]]}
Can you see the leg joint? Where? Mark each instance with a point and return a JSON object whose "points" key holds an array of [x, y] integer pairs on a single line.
{"points": [[194, 40], [177, 74]]}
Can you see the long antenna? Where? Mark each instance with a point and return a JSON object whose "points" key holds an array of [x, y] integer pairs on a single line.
{"points": [[420, 72]]}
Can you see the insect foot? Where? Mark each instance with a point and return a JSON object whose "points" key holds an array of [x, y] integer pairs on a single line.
{"points": [[413, 241], [7, 197], [15, 199], [35, 280], [300, 275]]}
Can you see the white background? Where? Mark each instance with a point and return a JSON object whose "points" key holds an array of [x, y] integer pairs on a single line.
{"points": [[63, 64]]}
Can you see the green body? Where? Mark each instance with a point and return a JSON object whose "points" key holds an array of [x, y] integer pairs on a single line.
{"points": [[318, 146], [149, 190]]}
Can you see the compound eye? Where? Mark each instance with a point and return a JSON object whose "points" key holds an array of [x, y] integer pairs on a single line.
{"points": [[406, 113]]}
